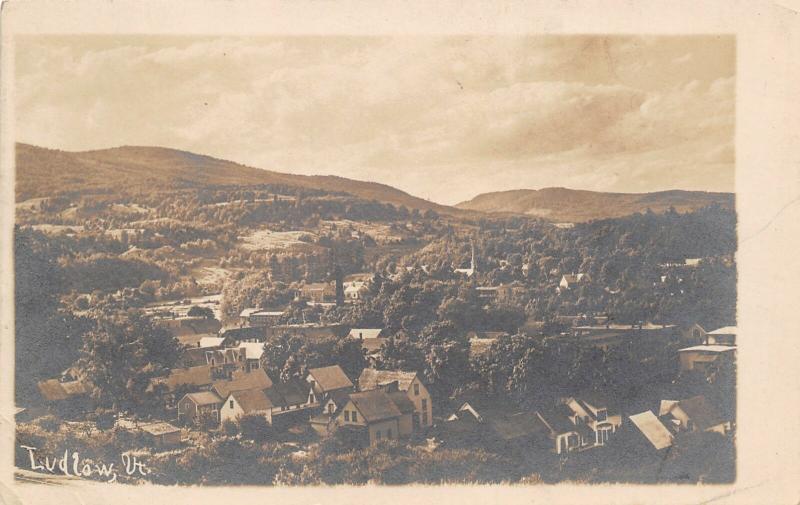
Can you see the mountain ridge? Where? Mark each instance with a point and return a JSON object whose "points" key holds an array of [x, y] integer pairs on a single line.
{"points": [[42, 171], [575, 205]]}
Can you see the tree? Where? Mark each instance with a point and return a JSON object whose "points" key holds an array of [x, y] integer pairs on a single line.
{"points": [[120, 355], [197, 311], [47, 338]]}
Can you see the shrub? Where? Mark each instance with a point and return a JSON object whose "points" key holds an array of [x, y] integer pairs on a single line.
{"points": [[230, 428], [255, 427]]}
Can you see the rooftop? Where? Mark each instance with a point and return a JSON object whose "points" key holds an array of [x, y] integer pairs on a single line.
{"points": [[371, 378], [375, 405], [330, 378], [653, 429], [709, 348]]}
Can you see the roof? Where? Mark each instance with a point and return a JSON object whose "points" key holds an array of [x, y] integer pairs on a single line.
{"points": [[211, 341], [365, 332], [191, 325], [316, 286], [375, 405], [489, 405], [241, 380], [53, 389], [555, 421], [373, 345], [245, 333], [192, 339], [701, 412], [159, 428], [653, 429], [194, 376], [194, 356], [252, 400], [284, 394], [725, 330], [709, 348], [253, 350], [269, 312], [402, 402], [339, 398], [371, 378], [247, 312], [204, 398], [330, 378], [521, 424]]}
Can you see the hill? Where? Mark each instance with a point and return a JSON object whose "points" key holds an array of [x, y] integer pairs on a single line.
{"points": [[574, 206], [42, 172]]}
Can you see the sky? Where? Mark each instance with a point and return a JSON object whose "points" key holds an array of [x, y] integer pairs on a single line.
{"points": [[443, 118]]}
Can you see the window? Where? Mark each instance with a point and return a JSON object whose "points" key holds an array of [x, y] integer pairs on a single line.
{"points": [[389, 433], [424, 404], [353, 416], [416, 389], [255, 365], [231, 404], [424, 418], [347, 416], [378, 434], [330, 408]]}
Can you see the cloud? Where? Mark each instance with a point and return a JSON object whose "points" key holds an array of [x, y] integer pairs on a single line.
{"points": [[443, 116]]}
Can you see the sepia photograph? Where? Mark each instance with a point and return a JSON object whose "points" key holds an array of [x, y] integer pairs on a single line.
{"points": [[296, 260]]}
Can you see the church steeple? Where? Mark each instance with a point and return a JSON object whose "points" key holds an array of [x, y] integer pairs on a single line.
{"points": [[472, 265]]}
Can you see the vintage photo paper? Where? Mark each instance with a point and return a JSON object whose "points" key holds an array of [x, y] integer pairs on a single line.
{"points": [[337, 252]]}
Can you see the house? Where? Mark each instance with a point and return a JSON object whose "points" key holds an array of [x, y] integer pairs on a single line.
{"points": [[362, 333], [244, 334], [327, 380], [407, 382], [280, 403], [501, 293], [252, 353], [371, 339], [611, 335], [190, 325], [192, 340], [481, 341], [722, 336], [310, 331], [355, 290], [494, 419], [162, 434], [324, 422], [570, 281], [318, 292], [703, 357], [67, 394], [695, 334], [261, 317], [562, 433], [194, 407], [693, 414], [196, 378], [378, 415], [224, 362], [242, 380], [594, 413], [652, 429]]}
